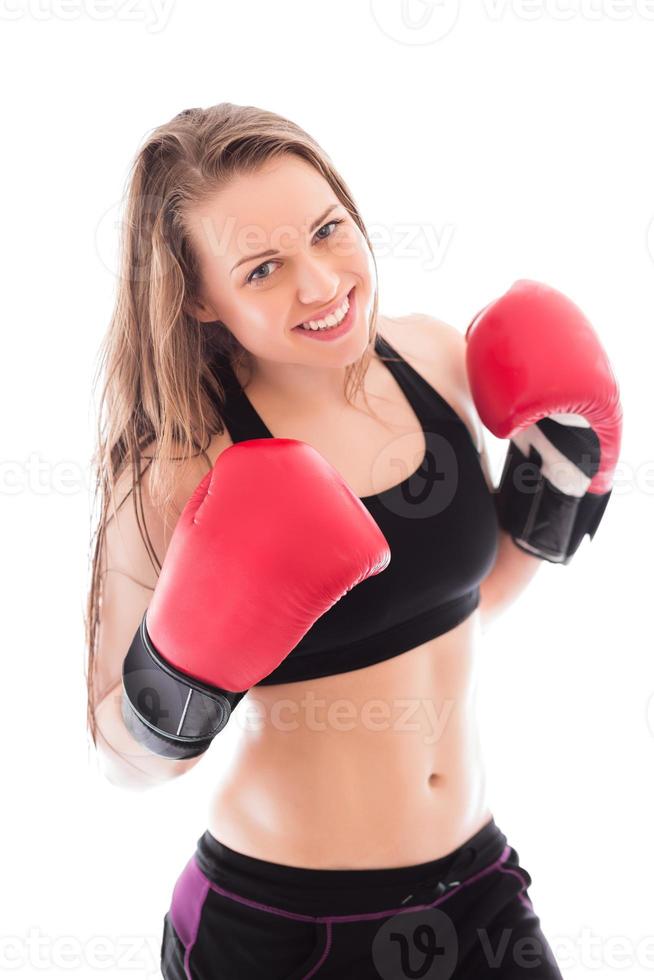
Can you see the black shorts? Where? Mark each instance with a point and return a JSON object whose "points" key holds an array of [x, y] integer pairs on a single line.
{"points": [[464, 915]]}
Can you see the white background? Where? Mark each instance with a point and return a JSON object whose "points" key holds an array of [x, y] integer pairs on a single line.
{"points": [[482, 145]]}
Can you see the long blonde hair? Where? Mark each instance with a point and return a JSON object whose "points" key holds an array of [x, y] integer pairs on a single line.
{"points": [[159, 391]]}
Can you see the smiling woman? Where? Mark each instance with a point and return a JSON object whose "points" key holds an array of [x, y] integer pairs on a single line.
{"points": [[309, 528], [313, 272]]}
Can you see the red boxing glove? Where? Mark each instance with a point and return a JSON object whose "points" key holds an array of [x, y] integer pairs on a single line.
{"points": [[270, 540], [539, 376]]}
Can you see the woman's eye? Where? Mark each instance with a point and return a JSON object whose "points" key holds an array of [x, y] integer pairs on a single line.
{"points": [[337, 221], [254, 278]]}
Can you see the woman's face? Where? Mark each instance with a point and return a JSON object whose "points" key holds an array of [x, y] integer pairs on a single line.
{"points": [[316, 256]]}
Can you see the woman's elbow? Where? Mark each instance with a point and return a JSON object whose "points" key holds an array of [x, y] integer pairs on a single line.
{"points": [[124, 762]]}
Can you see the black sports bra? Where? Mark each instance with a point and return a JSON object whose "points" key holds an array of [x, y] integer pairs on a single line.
{"points": [[441, 527]]}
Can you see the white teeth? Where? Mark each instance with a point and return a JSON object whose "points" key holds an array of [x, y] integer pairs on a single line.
{"points": [[331, 321]]}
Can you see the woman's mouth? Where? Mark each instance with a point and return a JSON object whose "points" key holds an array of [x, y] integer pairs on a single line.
{"points": [[335, 326]]}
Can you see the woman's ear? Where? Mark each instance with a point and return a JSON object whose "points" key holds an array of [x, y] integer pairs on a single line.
{"points": [[200, 311]]}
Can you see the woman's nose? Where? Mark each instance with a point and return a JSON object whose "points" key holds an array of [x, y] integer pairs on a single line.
{"points": [[317, 283]]}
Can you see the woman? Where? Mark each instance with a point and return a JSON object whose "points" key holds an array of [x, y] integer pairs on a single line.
{"points": [[350, 835]]}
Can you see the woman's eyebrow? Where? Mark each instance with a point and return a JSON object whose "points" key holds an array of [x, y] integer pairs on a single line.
{"points": [[272, 251]]}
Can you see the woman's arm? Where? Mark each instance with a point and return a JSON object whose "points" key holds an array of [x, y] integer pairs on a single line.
{"points": [[513, 569], [124, 762], [128, 581], [510, 575]]}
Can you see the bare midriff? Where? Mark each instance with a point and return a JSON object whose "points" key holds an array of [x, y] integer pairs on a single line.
{"points": [[373, 768]]}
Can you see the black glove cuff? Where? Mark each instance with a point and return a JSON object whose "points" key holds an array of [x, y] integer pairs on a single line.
{"points": [[541, 519], [169, 713]]}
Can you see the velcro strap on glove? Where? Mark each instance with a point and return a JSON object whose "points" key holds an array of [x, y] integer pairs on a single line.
{"points": [[541, 519], [169, 713]]}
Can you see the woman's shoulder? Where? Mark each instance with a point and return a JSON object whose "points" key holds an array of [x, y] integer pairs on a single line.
{"points": [[427, 339], [184, 473]]}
